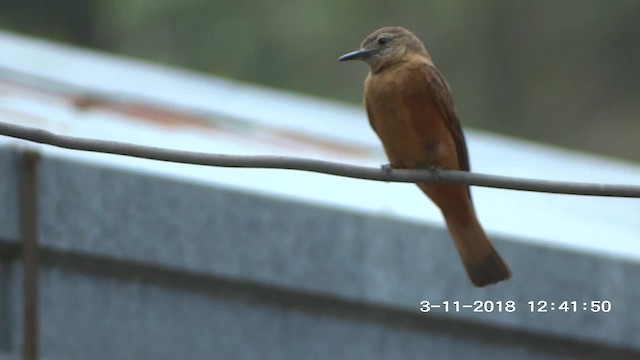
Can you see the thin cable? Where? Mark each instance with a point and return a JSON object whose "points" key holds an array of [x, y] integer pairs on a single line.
{"points": [[318, 166]]}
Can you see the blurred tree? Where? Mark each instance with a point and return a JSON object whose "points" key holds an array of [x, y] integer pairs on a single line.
{"points": [[68, 20]]}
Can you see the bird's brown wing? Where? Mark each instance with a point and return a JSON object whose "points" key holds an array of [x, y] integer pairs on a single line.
{"points": [[444, 100]]}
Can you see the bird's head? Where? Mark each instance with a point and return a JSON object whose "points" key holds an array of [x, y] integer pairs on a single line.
{"points": [[385, 47]]}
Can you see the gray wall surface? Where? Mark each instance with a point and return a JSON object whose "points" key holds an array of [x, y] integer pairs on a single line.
{"points": [[136, 266]]}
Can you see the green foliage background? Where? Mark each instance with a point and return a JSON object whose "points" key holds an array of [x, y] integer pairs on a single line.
{"points": [[562, 72]]}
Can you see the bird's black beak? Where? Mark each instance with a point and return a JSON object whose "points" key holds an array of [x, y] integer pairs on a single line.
{"points": [[356, 55]]}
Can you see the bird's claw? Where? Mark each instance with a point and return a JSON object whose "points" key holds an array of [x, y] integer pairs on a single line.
{"points": [[386, 170], [435, 171]]}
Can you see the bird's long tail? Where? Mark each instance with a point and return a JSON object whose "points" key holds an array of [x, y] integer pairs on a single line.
{"points": [[481, 260]]}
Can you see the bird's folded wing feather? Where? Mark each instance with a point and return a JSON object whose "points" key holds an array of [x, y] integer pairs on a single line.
{"points": [[445, 103]]}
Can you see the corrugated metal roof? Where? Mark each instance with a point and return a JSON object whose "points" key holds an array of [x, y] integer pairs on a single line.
{"points": [[83, 93]]}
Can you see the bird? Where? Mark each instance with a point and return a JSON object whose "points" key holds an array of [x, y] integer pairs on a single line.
{"points": [[410, 108]]}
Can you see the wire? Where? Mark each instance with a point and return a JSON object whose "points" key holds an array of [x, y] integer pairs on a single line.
{"points": [[317, 166]]}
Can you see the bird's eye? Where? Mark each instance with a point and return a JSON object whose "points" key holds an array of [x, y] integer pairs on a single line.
{"points": [[383, 40]]}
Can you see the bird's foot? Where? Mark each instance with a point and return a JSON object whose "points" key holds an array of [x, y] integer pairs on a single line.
{"points": [[435, 171], [386, 170]]}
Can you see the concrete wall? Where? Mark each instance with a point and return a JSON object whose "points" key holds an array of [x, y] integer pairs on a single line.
{"points": [[134, 266]]}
